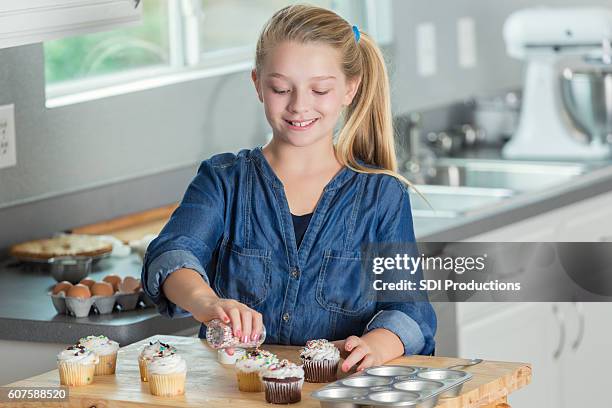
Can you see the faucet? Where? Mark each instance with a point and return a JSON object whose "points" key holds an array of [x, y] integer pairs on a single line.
{"points": [[421, 160]]}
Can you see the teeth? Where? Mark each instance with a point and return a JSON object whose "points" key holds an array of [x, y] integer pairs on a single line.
{"points": [[302, 124]]}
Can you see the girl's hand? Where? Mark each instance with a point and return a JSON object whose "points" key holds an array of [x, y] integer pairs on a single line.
{"points": [[247, 324], [358, 350]]}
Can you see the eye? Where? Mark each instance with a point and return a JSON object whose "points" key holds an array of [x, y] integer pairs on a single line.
{"points": [[321, 92], [280, 91]]}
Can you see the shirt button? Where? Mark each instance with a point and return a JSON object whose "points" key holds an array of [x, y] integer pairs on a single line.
{"points": [[286, 317], [295, 273]]}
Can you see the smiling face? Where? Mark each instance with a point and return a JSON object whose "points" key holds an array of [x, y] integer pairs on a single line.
{"points": [[303, 90]]}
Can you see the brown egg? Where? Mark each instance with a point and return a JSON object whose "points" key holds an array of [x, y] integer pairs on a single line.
{"points": [[87, 282], [114, 280], [79, 291], [62, 286], [102, 289], [129, 285]]}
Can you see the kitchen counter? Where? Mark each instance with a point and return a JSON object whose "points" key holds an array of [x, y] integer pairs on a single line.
{"points": [[516, 208], [27, 313], [213, 385]]}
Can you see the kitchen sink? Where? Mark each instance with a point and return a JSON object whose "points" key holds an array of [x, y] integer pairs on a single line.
{"points": [[518, 176], [450, 201]]}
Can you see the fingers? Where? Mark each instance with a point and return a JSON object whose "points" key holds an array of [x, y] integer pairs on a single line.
{"points": [[257, 326], [368, 361], [247, 324], [351, 342], [229, 351], [236, 321], [356, 356]]}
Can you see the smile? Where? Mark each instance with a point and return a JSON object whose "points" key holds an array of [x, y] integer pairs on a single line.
{"points": [[301, 125]]}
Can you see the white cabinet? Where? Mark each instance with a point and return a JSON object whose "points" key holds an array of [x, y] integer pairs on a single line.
{"points": [[568, 344], [524, 332], [30, 21]]}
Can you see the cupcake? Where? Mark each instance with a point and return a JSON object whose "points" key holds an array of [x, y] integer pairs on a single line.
{"points": [[150, 352], [76, 365], [106, 350], [167, 375], [226, 359], [320, 359], [283, 382], [249, 366]]}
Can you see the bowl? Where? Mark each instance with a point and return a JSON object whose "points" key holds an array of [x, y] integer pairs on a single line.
{"points": [[72, 269], [586, 93]]}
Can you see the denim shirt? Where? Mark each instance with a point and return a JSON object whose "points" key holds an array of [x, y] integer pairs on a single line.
{"points": [[235, 229]]}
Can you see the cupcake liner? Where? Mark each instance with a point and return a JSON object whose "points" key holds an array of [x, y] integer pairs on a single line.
{"points": [[283, 391], [144, 372], [320, 371], [167, 385], [127, 301], [59, 302], [75, 374], [249, 382], [107, 364], [79, 307], [104, 304]]}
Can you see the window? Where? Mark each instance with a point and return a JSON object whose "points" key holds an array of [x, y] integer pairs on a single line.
{"points": [[176, 41]]}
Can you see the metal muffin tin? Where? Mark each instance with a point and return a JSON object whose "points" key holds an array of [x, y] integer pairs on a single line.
{"points": [[393, 386]]}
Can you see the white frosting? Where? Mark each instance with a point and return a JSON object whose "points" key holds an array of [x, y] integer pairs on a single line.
{"points": [[101, 345], [316, 350], [151, 351], [172, 364], [80, 355], [225, 358], [284, 369], [255, 360]]}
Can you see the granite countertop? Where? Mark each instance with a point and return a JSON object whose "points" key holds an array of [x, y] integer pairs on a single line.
{"points": [[27, 313]]}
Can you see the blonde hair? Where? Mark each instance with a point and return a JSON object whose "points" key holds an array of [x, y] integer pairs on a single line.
{"points": [[367, 131]]}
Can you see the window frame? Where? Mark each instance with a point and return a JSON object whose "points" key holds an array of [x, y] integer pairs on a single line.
{"points": [[187, 63]]}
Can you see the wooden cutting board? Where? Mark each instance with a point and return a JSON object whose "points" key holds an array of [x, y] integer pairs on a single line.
{"points": [[212, 385]]}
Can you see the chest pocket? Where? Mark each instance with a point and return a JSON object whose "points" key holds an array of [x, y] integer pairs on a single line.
{"points": [[342, 286], [243, 274]]}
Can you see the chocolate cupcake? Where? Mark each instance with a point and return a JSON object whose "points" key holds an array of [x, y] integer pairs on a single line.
{"points": [[283, 382], [320, 359]]}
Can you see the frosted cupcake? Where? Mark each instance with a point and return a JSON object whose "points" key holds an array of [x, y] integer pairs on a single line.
{"points": [[320, 359], [76, 365], [167, 375], [153, 350], [283, 382], [106, 350], [249, 366]]}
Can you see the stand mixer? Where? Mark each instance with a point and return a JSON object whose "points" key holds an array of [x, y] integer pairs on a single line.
{"points": [[547, 38]]}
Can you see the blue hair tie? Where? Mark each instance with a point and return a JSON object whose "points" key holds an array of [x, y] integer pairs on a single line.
{"points": [[357, 33]]}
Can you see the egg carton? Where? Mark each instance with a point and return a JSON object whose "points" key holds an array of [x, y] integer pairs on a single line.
{"points": [[80, 307], [393, 386]]}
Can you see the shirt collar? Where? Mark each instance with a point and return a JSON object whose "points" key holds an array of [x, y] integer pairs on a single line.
{"points": [[337, 181]]}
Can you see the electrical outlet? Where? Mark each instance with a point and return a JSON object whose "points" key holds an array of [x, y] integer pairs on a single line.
{"points": [[8, 149], [466, 42], [426, 49]]}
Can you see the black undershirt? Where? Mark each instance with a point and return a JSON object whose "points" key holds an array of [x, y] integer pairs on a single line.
{"points": [[300, 224]]}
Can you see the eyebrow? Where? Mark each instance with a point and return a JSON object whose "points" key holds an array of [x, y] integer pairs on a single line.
{"points": [[320, 77]]}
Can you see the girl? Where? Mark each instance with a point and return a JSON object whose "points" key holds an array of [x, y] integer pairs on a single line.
{"points": [[273, 235]]}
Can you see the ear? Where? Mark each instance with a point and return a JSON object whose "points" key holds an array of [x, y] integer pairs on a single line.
{"points": [[351, 90], [257, 84]]}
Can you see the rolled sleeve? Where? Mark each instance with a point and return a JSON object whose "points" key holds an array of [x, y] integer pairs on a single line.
{"points": [[403, 326], [160, 268]]}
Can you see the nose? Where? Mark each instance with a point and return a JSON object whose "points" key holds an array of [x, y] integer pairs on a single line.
{"points": [[299, 102]]}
